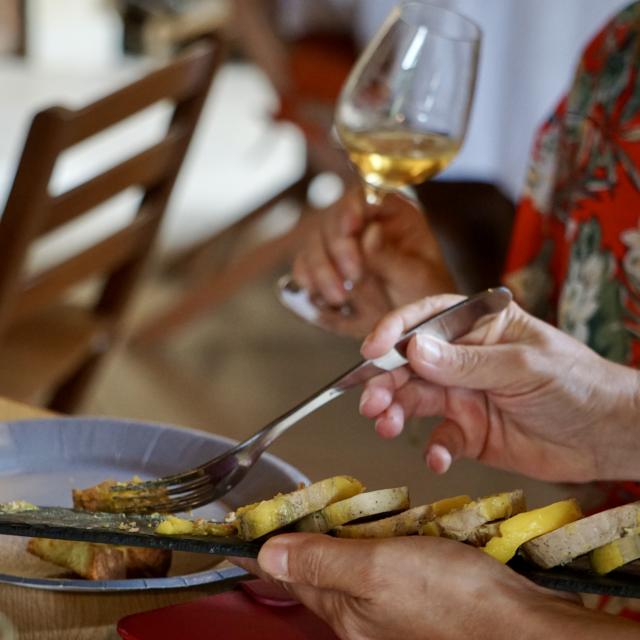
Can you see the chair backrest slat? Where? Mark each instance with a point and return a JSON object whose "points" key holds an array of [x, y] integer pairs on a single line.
{"points": [[145, 170], [103, 257], [177, 83], [32, 211]]}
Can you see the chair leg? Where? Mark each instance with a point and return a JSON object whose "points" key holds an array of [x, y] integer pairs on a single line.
{"points": [[70, 394]]}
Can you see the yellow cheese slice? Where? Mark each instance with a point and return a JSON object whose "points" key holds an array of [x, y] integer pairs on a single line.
{"points": [[528, 525], [617, 553]]}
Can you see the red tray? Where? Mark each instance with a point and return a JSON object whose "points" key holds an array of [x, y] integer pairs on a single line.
{"points": [[256, 611]]}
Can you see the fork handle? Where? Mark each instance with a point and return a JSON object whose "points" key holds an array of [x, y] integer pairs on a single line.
{"points": [[450, 324]]}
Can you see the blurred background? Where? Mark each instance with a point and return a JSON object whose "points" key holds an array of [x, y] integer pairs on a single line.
{"points": [[242, 359]]}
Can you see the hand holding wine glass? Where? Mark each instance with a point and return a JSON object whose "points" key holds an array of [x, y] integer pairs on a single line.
{"points": [[402, 117]]}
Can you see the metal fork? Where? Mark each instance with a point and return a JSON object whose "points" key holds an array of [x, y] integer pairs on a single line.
{"points": [[204, 484]]}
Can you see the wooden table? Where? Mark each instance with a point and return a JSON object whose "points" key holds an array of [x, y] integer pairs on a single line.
{"points": [[50, 615]]}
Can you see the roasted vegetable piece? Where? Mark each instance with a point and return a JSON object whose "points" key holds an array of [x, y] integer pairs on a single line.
{"points": [[617, 553], [575, 539], [264, 517], [402, 524], [485, 532], [174, 526], [523, 527], [358, 506], [101, 497], [461, 523], [17, 506], [102, 561]]}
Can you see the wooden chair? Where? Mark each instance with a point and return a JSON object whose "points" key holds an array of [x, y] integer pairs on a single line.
{"points": [[51, 346], [316, 67]]}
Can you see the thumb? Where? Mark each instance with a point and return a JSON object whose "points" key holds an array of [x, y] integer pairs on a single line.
{"points": [[317, 561], [485, 368]]}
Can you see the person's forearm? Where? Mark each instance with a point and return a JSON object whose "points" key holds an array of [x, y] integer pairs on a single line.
{"points": [[618, 440]]}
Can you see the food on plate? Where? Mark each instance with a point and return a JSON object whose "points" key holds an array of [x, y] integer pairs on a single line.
{"points": [[578, 538], [521, 528], [102, 497], [549, 536], [101, 561], [174, 526], [256, 520], [616, 554], [143, 562], [464, 522], [402, 524], [482, 534], [16, 506], [359, 506]]}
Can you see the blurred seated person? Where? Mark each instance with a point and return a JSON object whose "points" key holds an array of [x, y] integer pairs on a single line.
{"points": [[307, 50], [574, 255]]}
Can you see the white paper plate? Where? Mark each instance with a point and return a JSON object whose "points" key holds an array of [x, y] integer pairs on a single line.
{"points": [[41, 461]]}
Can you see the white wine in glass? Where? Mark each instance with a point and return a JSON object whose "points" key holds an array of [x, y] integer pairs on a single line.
{"points": [[404, 110], [402, 115], [390, 160]]}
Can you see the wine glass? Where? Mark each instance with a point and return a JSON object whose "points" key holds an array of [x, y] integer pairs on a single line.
{"points": [[403, 112]]}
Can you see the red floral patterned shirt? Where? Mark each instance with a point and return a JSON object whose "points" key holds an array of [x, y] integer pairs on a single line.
{"points": [[575, 256]]}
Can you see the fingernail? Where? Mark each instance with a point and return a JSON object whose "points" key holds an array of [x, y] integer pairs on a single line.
{"points": [[364, 398], [274, 559], [439, 458], [428, 348]]}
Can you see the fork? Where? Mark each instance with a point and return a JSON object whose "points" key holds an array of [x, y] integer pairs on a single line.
{"points": [[204, 484]]}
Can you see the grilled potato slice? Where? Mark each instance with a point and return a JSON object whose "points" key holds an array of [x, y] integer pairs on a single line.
{"points": [[174, 526], [402, 524], [566, 543], [461, 523], [255, 521], [526, 526], [358, 506], [485, 532]]}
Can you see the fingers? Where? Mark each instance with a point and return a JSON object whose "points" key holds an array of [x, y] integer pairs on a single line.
{"points": [[392, 398], [473, 367], [314, 270], [318, 561], [380, 391], [331, 253], [391, 422], [446, 444], [438, 458], [389, 330]]}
